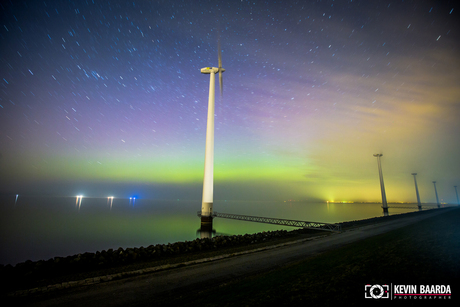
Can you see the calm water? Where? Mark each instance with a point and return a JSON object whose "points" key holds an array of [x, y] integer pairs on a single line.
{"points": [[44, 227]]}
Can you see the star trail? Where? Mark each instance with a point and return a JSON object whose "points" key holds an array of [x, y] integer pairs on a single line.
{"points": [[106, 98]]}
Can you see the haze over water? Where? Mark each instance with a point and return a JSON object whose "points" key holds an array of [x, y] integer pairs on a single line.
{"points": [[39, 228]]}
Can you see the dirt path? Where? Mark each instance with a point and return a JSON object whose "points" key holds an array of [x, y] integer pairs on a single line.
{"points": [[149, 288]]}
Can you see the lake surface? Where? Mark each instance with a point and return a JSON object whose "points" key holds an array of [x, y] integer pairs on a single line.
{"points": [[40, 228]]}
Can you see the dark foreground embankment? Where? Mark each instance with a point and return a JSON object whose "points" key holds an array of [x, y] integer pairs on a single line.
{"points": [[30, 274], [424, 253], [67, 270]]}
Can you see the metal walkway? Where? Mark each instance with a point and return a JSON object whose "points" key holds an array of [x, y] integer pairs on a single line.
{"points": [[424, 206], [284, 222]]}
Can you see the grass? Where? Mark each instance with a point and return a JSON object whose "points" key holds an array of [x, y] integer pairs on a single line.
{"points": [[423, 253]]}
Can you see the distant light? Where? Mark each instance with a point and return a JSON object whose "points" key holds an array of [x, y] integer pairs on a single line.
{"points": [[78, 201], [110, 201]]}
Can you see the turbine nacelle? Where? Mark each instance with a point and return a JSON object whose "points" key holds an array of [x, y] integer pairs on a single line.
{"points": [[214, 70]]}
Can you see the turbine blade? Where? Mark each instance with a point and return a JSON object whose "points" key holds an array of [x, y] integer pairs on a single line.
{"points": [[221, 83], [219, 55], [220, 69]]}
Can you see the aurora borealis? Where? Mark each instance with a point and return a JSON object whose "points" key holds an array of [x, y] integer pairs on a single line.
{"points": [[106, 98]]}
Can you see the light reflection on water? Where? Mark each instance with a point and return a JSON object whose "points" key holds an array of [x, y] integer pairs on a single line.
{"points": [[34, 228]]}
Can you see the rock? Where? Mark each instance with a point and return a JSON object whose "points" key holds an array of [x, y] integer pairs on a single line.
{"points": [[111, 257]]}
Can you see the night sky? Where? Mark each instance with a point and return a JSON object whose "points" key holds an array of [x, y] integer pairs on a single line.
{"points": [[106, 98]]}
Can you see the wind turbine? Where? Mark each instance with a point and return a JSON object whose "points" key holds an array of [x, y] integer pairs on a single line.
{"points": [[208, 181]]}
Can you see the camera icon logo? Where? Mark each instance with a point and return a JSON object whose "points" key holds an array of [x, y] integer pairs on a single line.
{"points": [[377, 291]]}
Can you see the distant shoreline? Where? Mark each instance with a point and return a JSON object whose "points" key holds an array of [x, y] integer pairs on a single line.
{"points": [[13, 195]]}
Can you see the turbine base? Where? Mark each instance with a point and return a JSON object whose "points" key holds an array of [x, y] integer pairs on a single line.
{"points": [[206, 220], [385, 211]]}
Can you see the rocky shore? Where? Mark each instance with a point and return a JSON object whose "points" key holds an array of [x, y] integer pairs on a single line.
{"points": [[29, 274]]}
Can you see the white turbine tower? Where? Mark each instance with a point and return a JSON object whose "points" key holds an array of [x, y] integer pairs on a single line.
{"points": [[208, 181]]}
